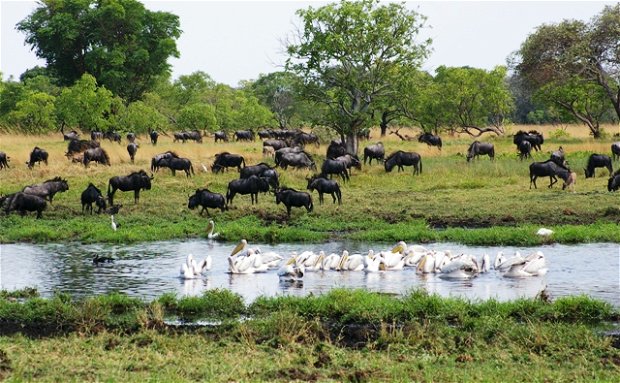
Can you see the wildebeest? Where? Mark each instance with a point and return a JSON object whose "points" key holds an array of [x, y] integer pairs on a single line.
{"points": [[336, 149], [37, 155], [297, 160], [547, 169], [206, 199], [226, 160], [535, 138], [72, 135], [265, 133], [112, 136], [558, 157], [154, 136], [376, 152], [159, 156], [272, 177], [525, 149], [4, 160], [615, 150], [220, 135], [478, 148], [613, 183], [194, 135], [280, 152], [598, 161], [303, 138], [175, 163], [322, 186], [135, 181], [244, 135], [132, 149], [251, 185], [275, 144], [131, 137], [92, 195], [430, 139], [179, 136], [293, 198], [97, 155], [253, 170], [401, 159], [350, 161], [330, 167], [96, 136], [79, 146], [23, 202], [48, 188]]}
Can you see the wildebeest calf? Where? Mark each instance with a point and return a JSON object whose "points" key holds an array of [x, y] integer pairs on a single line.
{"points": [[132, 148], [92, 194], [4, 160], [37, 155]]}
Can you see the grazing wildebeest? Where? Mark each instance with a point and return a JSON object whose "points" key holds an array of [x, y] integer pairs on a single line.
{"points": [[174, 164], [97, 155], [350, 161], [220, 135], [535, 138], [303, 138], [478, 148], [4, 160], [226, 160], [180, 136], [293, 198], [402, 159], [194, 135], [272, 177], [558, 157], [336, 149], [252, 186], [280, 152], [79, 146], [615, 150], [547, 169], [275, 144], [23, 202], [598, 161], [48, 188], [430, 139], [132, 149], [112, 136], [37, 155], [376, 152], [265, 133], [613, 183], [296, 160], [72, 135], [159, 156], [253, 170], [154, 137], [131, 137], [206, 199], [322, 186], [244, 135], [135, 181], [92, 194], [96, 136], [330, 167], [525, 149]]}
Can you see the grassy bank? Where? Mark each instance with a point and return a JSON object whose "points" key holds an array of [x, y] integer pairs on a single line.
{"points": [[340, 336], [479, 203]]}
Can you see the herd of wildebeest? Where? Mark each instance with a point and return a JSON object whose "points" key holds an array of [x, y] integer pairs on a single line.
{"points": [[286, 147]]}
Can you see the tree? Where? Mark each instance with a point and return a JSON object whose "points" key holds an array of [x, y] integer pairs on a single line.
{"points": [[139, 117], [35, 113], [277, 91], [197, 117], [121, 43], [347, 54], [85, 105]]}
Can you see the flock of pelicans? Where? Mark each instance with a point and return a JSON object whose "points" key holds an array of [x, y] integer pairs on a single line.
{"points": [[244, 259]]}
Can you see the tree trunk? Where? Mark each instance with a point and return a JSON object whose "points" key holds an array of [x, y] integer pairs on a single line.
{"points": [[351, 142], [384, 123]]}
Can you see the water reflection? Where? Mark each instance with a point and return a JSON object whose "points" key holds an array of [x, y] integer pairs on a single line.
{"points": [[148, 270]]}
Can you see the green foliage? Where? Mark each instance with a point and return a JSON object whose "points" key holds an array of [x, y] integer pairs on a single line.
{"points": [[85, 105], [34, 113], [197, 117], [140, 118]]}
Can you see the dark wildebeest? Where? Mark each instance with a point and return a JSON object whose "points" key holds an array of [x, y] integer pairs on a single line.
{"points": [[265, 133], [293, 198], [131, 137], [430, 139], [72, 135], [535, 138], [220, 136], [253, 170], [376, 152], [4, 160], [613, 183], [296, 160], [525, 149], [252, 186], [134, 181], [159, 156], [97, 155], [79, 146], [244, 135], [96, 136], [48, 189], [37, 155], [402, 159], [194, 135], [558, 157], [336, 149], [303, 138], [174, 164], [132, 149], [478, 148], [547, 169], [330, 167], [272, 177], [92, 195], [206, 199], [112, 136], [280, 152], [226, 160], [615, 150], [23, 202], [322, 186], [350, 161], [180, 136], [154, 137], [598, 161], [275, 144]]}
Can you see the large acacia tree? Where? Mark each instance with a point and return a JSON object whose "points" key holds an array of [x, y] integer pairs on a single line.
{"points": [[121, 43], [347, 55]]}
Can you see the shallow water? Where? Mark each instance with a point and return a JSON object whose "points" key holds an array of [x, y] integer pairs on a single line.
{"points": [[147, 270]]}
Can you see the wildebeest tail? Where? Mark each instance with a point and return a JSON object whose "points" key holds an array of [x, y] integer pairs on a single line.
{"points": [[310, 205]]}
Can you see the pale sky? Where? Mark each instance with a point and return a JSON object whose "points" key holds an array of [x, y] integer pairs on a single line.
{"points": [[238, 40]]}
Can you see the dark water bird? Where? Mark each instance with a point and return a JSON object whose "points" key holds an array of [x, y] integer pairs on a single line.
{"points": [[99, 260]]}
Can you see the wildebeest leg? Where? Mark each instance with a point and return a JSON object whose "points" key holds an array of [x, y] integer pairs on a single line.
{"points": [[320, 198], [288, 211], [136, 196], [533, 180], [39, 214], [174, 173], [552, 180]]}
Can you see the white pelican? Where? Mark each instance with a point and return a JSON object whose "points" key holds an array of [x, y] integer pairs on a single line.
{"points": [[190, 270], [499, 259], [460, 268], [114, 224], [485, 264], [242, 245], [426, 264], [271, 259], [315, 263], [372, 263], [210, 228], [331, 262], [353, 262], [392, 260], [532, 265], [291, 271], [543, 232], [249, 263]]}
